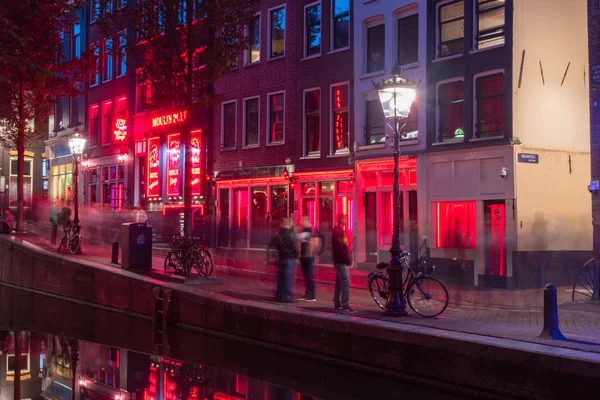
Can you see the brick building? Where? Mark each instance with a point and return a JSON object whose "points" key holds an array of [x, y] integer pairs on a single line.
{"points": [[594, 75]]}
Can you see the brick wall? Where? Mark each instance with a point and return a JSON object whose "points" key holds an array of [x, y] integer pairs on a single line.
{"points": [[594, 54]]}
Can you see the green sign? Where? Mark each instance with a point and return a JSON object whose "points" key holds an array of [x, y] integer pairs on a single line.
{"points": [[459, 133]]}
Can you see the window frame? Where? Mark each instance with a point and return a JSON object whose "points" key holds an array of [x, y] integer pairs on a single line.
{"points": [[438, 113], [248, 51], [75, 53], [305, 152], [223, 104], [332, 150], [438, 32], [105, 60], [106, 137], [95, 5], [332, 36], [371, 25], [305, 31], [476, 32], [74, 106], [97, 60], [270, 12], [368, 100], [245, 145], [268, 130], [476, 134], [142, 107], [91, 143], [121, 56], [406, 12]]}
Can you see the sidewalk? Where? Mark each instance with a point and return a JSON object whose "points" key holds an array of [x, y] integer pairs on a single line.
{"points": [[508, 314]]}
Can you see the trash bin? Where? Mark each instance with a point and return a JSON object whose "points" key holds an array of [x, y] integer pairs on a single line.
{"points": [[136, 246]]}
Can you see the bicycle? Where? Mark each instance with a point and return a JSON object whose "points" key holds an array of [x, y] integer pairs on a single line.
{"points": [[71, 239], [420, 291], [188, 257]]}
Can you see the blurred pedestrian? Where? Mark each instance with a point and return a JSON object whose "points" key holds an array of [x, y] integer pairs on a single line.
{"points": [[139, 215], [342, 259], [53, 222], [6, 222], [309, 246], [287, 248]]}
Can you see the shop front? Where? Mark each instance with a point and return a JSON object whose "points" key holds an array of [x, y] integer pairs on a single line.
{"points": [[374, 225], [60, 170]]}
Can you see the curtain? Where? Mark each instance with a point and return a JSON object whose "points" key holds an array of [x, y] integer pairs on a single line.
{"points": [[456, 224]]}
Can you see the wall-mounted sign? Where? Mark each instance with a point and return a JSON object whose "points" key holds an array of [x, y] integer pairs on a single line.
{"points": [[459, 133], [169, 119], [196, 163], [528, 158], [153, 178], [120, 133], [174, 165]]}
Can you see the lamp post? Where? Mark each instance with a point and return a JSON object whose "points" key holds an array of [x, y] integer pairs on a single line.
{"points": [[76, 144], [396, 95]]}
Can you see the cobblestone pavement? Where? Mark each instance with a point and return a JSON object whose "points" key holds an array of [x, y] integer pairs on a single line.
{"points": [[473, 311]]}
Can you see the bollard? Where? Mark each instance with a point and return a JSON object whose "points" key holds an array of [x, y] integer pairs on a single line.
{"points": [[551, 329], [114, 259]]}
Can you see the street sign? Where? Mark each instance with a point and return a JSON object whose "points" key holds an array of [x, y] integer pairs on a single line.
{"points": [[528, 158]]}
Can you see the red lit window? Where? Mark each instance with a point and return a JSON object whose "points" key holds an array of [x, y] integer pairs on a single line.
{"points": [[490, 105], [412, 177], [241, 384], [276, 116], [455, 224], [386, 218], [369, 179], [340, 118], [312, 121], [94, 126], [451, 110], [107, 122]]}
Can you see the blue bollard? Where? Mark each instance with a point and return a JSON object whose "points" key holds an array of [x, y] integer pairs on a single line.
{"points": [[551, 329]]}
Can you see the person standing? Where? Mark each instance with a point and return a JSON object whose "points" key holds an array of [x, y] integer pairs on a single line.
{"points": [[53, 222], [309, 245], [7, 222], [139, 215], [341, 259], [287, 248]]}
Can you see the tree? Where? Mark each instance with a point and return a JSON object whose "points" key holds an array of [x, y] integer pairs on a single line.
{"points": [[180, 48], [32, 72]]}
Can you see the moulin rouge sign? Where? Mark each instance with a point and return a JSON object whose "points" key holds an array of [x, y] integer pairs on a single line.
{"points": [[169, 119]]}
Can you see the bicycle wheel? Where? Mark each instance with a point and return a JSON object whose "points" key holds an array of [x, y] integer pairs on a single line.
{"points": [[427, 296], [171, 262], [208, 263], [587, 282], [378, 286], [74, 243]]}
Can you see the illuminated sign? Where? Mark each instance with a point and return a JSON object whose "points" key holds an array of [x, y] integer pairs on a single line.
{"points": [[174, 165], [153, 178], [196, 163], [459, 133], [169, 119], [340, 114], [121, 132]]}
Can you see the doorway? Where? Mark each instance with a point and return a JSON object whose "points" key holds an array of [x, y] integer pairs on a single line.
{"points": [[495, 244], [371, 226]]}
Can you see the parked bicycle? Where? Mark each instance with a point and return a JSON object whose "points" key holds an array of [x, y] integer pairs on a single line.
{"points": [[188, 257], [425, 295], [71, 239]]}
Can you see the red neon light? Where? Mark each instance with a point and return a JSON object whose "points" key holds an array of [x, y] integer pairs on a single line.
{"points": [[456, 224], [121, 132], [322, 173], [169, 119], [180, 206], [153, 178], [497, 241], [174, 165], [196, 163], [118, 362]]}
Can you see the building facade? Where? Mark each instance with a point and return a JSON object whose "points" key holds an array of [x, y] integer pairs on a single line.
{"points": [[594, 68]]}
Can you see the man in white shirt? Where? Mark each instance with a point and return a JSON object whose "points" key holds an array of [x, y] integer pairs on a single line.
{"points": [[139, 215]]}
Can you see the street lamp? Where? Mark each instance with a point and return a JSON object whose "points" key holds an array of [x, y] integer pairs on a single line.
{"points": [[76, 144], [396, 95]]}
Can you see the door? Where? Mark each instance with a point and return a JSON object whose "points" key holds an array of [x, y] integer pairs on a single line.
{"points": [[413, 224], [495, 238], [371, 226], [223, 234]]}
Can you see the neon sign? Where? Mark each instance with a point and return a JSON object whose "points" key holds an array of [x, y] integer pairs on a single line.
{"points": [[174, 165], [169, 119], [340, 117], [196, 163], [121, 132], [153, 181]]}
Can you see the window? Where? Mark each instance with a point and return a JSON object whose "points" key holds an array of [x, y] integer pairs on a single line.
{"points": [[408, 40], [451, 28], [107, 122], [113, 196], [229, 125], [376, 48], [490, 23], [277, 32], [341, 24], [411, 128], [312, 122], [239, 233], [58, 115], [253, 51], [122, 54], [455, 224], [312, 30], [251, 122], [107, 64], [74, 117], [122, 3], [260, 227], [490, 105], [76, 42], [182, 12], [451, 110], [340, 119], [94, 134], [108, 6], [11, 361], [121, 134], [276, 118], [145, 92], [95, 80], [94, 10], [374, 123]]}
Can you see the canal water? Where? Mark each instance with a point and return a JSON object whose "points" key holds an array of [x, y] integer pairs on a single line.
{"points": [[104, 355]]}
